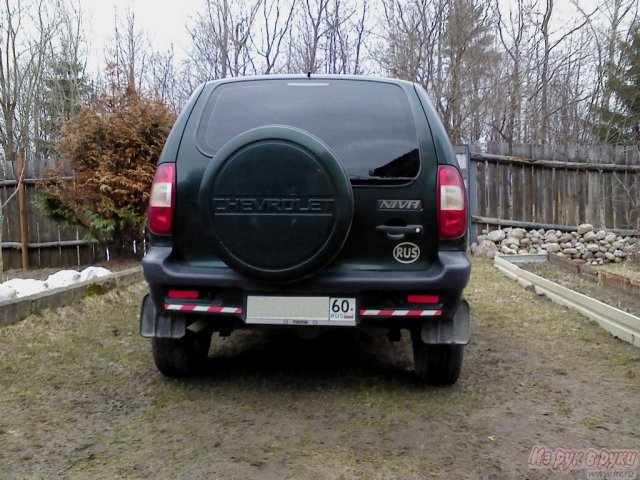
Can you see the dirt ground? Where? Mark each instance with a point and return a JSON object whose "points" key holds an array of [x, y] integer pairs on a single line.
{"points": [[81, 399], [627, 301]]}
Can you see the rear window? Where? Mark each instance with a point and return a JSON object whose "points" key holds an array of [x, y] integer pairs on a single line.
{"points": [[368, 125]]}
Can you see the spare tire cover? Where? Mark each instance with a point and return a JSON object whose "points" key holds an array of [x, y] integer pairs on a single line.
{"points": [[276, 203]]}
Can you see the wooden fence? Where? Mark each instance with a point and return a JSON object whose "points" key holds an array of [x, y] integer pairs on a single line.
{"points": [[529, 186], [555, 186], [50, 244]]}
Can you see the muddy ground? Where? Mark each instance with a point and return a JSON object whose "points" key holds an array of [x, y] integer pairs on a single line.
{"points": [[81, 399]]}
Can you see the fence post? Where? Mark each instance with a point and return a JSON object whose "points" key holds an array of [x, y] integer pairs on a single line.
{"points": [[1, 227], [472, 193], [22, 200]]}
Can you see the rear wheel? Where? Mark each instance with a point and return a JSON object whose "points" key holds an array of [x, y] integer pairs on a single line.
{"points": [[437, 364], [181, 357]]}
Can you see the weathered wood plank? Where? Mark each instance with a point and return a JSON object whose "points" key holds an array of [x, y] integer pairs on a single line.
{"points": [[594, 166], [491, 221]]}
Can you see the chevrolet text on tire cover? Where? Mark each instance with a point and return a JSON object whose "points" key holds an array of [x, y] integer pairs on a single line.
{"points": [[307, 203]]}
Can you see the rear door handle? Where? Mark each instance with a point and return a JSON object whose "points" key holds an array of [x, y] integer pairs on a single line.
{"points": [[398, 232]]}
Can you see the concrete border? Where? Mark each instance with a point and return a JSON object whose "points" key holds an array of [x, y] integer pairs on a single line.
{"points": [[14, 310], [620, 324]]}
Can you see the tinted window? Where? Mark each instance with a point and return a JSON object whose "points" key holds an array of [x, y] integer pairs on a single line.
{"points": [[368, 125]]}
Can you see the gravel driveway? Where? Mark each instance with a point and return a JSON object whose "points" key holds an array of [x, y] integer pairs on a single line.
{"points": [[80, 398]]}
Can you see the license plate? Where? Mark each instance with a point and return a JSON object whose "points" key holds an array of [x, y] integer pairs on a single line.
{"points": [[265, 310]]}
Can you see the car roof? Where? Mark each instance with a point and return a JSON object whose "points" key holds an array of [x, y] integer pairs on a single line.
{"points": [[312, 77]]}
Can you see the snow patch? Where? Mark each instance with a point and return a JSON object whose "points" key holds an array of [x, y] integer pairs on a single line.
{"points": [[63, 278], [21, 287], [90, 273], [6, 293], [25, 287]]}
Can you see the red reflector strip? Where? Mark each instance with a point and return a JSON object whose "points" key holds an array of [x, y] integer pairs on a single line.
{"points": [[201, 308], [184, 294], [400, 313], [423, 299]]}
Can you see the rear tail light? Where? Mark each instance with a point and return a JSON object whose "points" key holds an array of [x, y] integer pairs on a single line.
{"points": [[162, 201], [452, 203], [428, 299], [184, 294]]}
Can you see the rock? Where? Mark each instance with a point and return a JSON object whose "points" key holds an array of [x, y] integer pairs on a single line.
{"points": [[532, 251], [565, 238], [486, 249], [593, 248], [507, 251], [551, 238], [523, 252], [600, 234], [552, 247], [496, 235], [518, 233], [617, 245], [511, 241], [481, 238], [570, 251], [620, 254], [525, 242], [579, 261], [590, 237], [584, 228], [609, 256], [610, 237], [484, 231], [618, 260], [587, 255], [599, 255]]}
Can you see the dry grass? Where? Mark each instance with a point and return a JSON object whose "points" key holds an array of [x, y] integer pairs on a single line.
{"points": [[629, 269]]}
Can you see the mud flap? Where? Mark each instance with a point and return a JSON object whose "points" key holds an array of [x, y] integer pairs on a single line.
{"points": [[454, 330], [159, 326]]}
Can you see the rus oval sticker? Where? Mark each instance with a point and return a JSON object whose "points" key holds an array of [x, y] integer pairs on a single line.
{"points": [[406, 252]]}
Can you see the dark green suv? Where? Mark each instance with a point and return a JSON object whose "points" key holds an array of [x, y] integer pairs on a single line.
{"points": [[307, 203]]}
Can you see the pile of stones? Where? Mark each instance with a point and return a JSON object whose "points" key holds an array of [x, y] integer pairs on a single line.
{"points": [[585, 245]]}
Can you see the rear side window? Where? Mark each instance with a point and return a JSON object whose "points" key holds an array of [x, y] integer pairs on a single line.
{"points": [[368, 125]]}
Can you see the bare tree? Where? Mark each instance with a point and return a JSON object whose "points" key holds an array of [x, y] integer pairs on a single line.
{"points": [[275, 25], [128, 53], [221, 39], [512, 35], [312, 29], [345, 35]]}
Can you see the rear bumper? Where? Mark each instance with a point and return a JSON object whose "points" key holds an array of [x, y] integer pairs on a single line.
{"points": [[380, 295], [450, 272]]}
